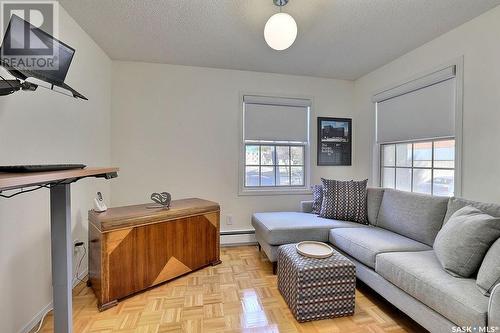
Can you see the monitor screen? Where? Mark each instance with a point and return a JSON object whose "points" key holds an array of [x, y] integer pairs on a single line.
{"points": [[35, 53]]}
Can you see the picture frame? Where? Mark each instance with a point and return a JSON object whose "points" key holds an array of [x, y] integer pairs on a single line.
{"points": [[334, 145]]}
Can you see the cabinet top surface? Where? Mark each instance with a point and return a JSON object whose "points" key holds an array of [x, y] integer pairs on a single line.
{"points": [[136, 215], [17, 180]]}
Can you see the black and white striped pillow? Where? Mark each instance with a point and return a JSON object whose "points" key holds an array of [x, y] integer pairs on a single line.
{"points": [[317, 191], [344, 200]]}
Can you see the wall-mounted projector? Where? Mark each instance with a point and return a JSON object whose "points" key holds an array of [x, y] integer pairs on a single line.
{"points": [[48, 60]]}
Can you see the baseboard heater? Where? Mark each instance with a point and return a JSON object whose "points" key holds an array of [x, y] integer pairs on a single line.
{"points": [[237, 237]]}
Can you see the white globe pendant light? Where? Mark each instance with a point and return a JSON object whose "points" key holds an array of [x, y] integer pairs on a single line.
{"points": [[281, 29]]}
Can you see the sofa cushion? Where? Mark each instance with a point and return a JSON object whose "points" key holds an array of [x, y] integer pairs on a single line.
{"points": [[278, 228], [344, 200], [365, 243], [420, 275], [455, 204], [417, 216], [463, 241], [489, 273], [373, 201], [317, 191]]}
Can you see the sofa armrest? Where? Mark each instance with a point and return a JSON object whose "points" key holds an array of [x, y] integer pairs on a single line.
{"points": [[494, 307], [306, 206]]}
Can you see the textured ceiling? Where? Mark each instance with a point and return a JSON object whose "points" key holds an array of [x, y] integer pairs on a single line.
{"points": [[342, 39]]}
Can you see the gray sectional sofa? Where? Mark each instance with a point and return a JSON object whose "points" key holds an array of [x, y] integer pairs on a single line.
{"points": [[394, 255]]}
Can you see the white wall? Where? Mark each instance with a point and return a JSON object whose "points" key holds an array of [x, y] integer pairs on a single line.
{"points": [[46, 127], [478, 42], [177, 129]]}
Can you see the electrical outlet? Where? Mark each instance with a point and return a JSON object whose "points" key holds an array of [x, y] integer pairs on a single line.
{"points": [[229, 219]]}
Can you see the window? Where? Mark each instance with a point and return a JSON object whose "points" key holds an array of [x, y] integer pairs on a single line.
{"points": [[275, 147], [274, 165], [418, 125], [422, 166]]}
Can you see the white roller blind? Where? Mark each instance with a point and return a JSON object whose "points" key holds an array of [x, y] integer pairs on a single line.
{"points": [[422, 82], [276, 119], [428, 112]]}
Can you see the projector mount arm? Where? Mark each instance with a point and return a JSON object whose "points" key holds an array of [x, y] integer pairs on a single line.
{"points": [[20, 82], [8, 87]]}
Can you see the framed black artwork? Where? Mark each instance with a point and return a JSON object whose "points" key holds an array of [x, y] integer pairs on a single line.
{"points": [[334, 141]]}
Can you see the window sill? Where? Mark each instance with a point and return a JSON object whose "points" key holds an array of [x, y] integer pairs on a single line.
{"points": [[274, 191]]}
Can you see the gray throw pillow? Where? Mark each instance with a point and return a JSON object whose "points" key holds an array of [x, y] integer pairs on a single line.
{"points": [[489, 273], [463, 241], [455, 204], [344, 200], [317, 191]]}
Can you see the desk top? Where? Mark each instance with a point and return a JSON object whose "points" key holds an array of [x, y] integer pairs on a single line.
{"points": [[137, 215], [10, 181]]}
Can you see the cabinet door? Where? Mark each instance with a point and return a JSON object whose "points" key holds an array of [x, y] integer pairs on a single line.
{"points": [[155, 253]]}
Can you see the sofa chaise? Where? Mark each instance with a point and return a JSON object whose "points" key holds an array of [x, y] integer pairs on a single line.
{"points": [[393, 255]]}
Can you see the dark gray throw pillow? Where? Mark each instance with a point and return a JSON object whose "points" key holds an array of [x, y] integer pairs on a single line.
{"points": [[489, 273], [463, 241], [344, 200], [317, 191]]}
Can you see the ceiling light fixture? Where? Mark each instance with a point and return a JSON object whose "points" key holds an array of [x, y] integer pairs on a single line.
{"points": [[281, 29]]}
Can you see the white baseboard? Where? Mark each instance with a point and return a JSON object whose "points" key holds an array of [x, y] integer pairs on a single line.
{"points": [[36, 319], [238, 239]]}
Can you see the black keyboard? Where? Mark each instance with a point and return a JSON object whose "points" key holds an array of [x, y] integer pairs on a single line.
{"points": [[40, 168]]}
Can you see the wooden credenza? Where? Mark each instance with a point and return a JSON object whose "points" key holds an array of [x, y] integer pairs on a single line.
{"points": [[133, 248]]}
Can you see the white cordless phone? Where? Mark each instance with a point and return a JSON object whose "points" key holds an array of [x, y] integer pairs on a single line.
{"points": [[99, 205]]}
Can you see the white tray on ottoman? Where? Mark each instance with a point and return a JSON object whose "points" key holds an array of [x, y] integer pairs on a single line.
{"points": [[313, 249], [316, 288]]}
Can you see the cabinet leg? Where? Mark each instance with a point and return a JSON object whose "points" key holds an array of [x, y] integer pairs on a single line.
{"points": [[260, 248], [215, 263], [275, 267], [107, 305]]}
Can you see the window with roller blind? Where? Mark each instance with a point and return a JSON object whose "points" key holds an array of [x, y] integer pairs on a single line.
{"points": [[415, 129], [275, 147]]}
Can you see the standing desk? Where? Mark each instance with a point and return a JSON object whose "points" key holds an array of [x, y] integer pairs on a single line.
{"points": [[60, 229]]}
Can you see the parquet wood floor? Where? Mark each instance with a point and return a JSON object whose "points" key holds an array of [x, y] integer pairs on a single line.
{"points": [[239, 295]]}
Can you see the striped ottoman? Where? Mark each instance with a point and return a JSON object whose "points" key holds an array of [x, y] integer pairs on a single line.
{"points": [[316, 288]]}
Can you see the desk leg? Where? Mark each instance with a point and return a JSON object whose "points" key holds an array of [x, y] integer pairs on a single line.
{"points": [[62, 267]]}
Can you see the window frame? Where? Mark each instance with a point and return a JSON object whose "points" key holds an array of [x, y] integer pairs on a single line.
{"points": [[432, 168], [244, 190]]}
